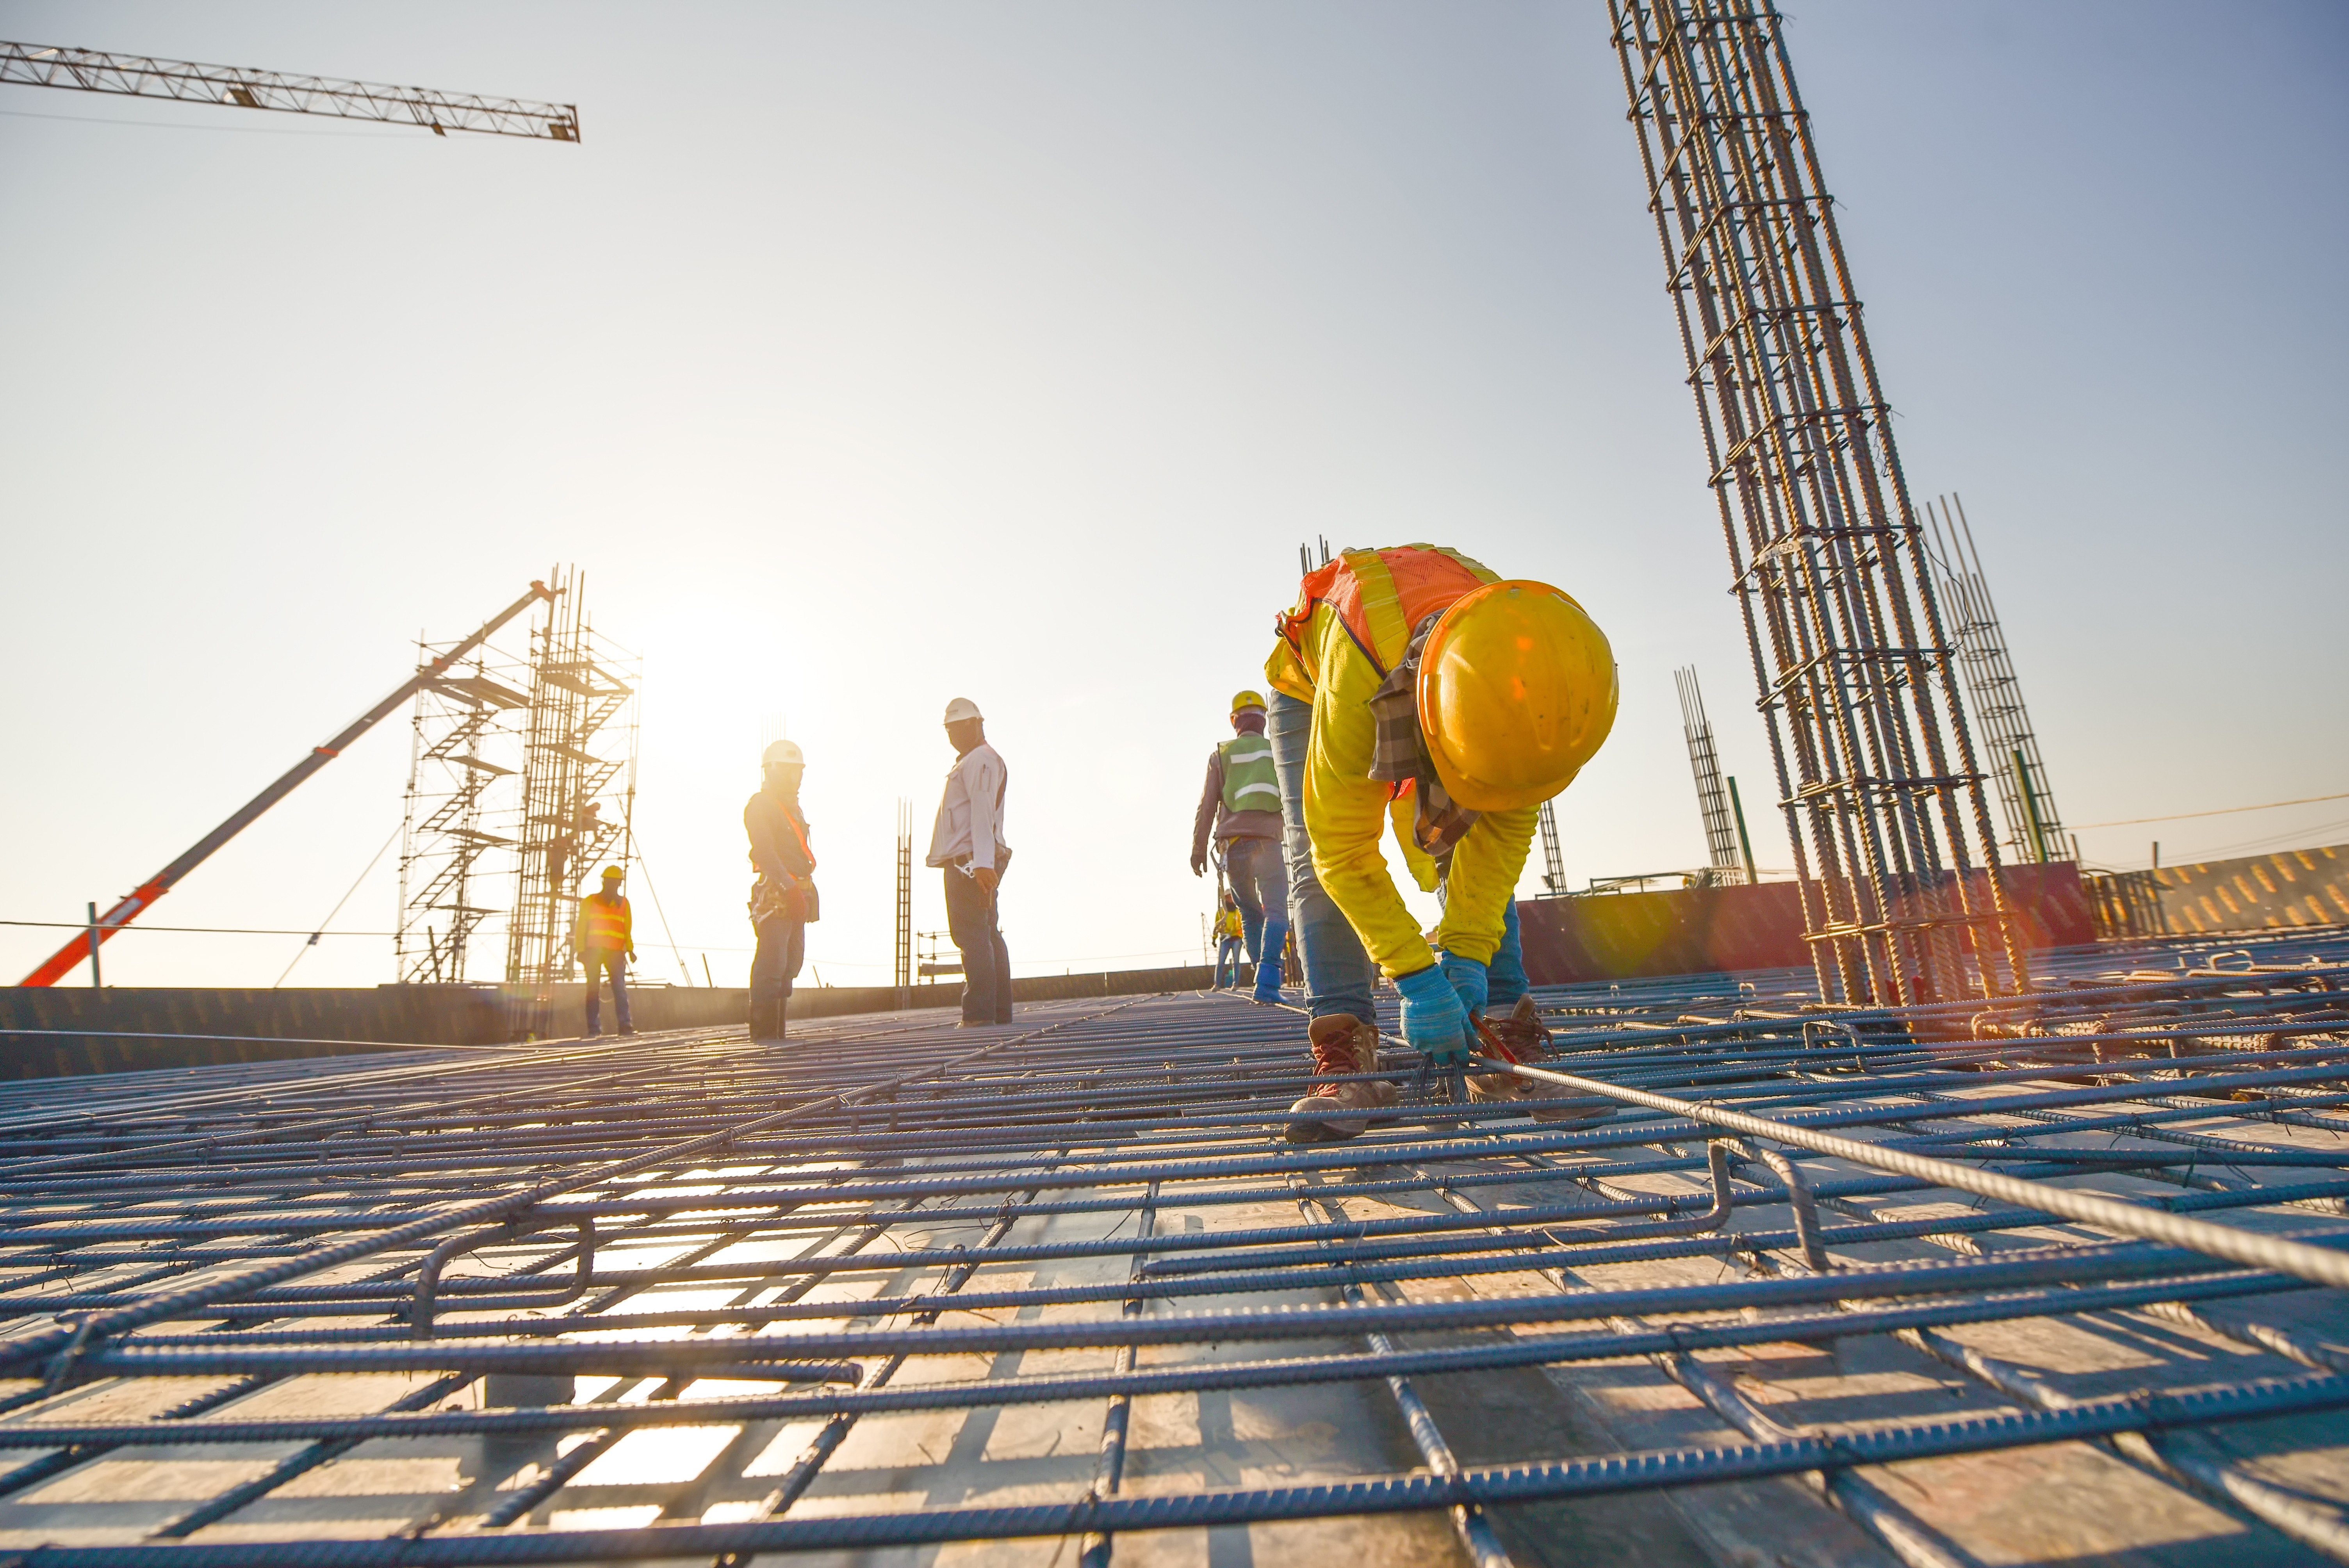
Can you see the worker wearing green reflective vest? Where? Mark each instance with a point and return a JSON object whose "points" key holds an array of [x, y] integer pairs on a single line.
{"points": [[1239, 809]]}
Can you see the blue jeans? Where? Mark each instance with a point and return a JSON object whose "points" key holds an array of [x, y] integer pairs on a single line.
{"points": [[1257, 887], [599, 962], [1339, 978], [1252, 868], [1505, 975], [986, 962], [1227, 953]]}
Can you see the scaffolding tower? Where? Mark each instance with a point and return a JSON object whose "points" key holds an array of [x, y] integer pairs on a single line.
{"points": [[2033, 829], [578, 794], [1896, 856], [1721, 845], [455, 801]]}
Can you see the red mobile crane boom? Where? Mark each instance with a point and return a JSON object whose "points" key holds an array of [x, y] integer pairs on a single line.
{"points": [[136, 903]]}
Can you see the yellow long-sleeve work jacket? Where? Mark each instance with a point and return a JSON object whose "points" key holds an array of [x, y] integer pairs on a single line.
{"points": [[1353, 623]]}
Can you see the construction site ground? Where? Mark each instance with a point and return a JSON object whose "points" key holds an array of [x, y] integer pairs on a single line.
{"points": [[901, 1293]]}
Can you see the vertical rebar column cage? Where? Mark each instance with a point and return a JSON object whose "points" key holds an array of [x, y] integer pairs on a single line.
{"points": [[575, 806], [1875, 770], [1553, 857], [904, 966], [2032, 825], [1722, 856]]}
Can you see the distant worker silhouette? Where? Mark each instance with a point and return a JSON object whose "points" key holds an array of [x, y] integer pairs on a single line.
{"points": [[1230, 935], [783, 899], [967, 842], [1240, 804], [605, 941]]}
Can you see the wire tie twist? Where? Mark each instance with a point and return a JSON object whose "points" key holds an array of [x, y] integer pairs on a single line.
{"points": [[61, 1365]]}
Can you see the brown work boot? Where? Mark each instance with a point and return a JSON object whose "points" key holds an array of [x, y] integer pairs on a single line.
{"points": [[1343, 1045], [1528, 1040]]}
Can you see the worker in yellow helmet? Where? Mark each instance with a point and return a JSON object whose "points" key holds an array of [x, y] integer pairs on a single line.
{"points": [[1231, 936], [1240, 803], [1412, 685], [605, 938]]}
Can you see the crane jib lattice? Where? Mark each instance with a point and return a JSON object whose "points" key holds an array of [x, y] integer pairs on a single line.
{"points": [[138, 75]]}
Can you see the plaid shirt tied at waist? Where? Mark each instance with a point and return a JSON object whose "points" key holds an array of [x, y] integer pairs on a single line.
{"points": [[1438, 821]]}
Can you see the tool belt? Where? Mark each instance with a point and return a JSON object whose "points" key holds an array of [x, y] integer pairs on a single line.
{"points": [[770, 900]]}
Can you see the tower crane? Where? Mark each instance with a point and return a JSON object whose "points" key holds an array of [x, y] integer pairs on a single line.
{"points": [[136, 76]]}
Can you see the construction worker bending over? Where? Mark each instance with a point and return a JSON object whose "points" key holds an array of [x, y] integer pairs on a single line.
{"points": [[783, 899], [1241, 802], [1229, 935], [1412, 684], [966, 842], [605, 938]]}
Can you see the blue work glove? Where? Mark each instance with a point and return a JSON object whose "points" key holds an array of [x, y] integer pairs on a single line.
{"points": [[1433, 1021], [1469, 979]]}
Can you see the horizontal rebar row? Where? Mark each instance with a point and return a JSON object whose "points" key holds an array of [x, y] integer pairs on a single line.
{"points": [[525, 1265]]}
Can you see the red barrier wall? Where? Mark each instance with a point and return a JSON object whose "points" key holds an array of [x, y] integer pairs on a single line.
{"points": [[1698, 931]]}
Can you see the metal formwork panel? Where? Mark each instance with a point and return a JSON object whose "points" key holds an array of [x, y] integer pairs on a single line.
{"points": [[1065, 1287]]}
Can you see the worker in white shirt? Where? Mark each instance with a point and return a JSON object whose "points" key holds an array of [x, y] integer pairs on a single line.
{"points": [[968, 843]]}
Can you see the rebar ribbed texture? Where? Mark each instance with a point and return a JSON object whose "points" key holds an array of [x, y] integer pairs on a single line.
{"points": [[1883, 796], [538, 1276]]}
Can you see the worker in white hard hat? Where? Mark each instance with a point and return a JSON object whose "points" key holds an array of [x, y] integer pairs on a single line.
{"points": [[1240, 807], [967, 843], [605, 938], [783, 899], [1412, 685]]}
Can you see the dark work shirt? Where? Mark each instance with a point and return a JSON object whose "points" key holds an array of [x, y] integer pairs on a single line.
{"points": [[775, 848]]}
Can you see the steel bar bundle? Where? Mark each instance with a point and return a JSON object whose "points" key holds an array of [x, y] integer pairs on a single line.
{"points": [[2034, 826], [683, 1297], [1877, 773], [1722, 854]]}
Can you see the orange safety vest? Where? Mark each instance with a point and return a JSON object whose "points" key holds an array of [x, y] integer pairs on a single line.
{"points": [[603, 925], [1377, 596]]}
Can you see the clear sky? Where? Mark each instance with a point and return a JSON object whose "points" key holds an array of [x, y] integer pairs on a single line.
{"points": [[868, 355]]}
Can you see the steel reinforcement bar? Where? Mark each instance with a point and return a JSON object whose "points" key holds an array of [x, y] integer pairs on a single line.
{"points": [[532, 1268]]}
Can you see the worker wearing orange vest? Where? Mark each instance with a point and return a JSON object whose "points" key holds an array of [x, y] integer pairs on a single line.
{"points": [[605, 941], [1412, 685]]}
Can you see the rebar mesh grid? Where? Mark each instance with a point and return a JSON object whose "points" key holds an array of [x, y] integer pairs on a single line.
{"points": [[1882, 794], [896, 1283]]}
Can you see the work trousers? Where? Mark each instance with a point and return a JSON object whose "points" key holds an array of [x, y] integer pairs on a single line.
{"points": [[783, 944], [1227, 956], [1339, 978], [599, 962], [986, 962], [1252, 868]]}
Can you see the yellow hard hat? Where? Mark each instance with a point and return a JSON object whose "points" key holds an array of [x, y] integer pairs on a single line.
{"points": [[613, 873], [1517, 692], [1245, 699]]}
